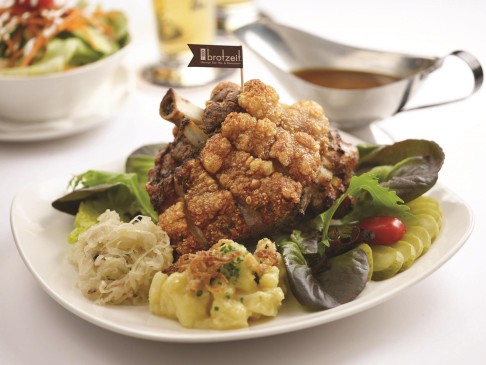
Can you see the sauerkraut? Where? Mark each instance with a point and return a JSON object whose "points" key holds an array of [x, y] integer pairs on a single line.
{"points": [[116, 261]]}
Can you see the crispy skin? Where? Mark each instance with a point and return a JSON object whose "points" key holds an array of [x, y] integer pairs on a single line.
{"points": [[263, 167], [174, 222], [160, 187], [207, 212], [264, 195], [211, 208]]}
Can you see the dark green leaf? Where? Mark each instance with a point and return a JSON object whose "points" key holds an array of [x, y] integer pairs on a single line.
{"points": [[343, 279], [96, 184], [415, 165], [70, 202]]}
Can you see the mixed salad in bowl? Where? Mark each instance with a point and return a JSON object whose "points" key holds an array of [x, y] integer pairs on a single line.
{"points": [[46, 36]]}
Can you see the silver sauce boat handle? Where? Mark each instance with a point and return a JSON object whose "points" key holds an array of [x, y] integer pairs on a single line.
{"points": [[476, 70]]}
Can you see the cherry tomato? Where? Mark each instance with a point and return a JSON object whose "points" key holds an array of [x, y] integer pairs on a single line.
{"points": [[386, 230]]}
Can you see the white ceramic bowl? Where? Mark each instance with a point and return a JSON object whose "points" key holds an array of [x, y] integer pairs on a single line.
{"points": [[47, 97]]}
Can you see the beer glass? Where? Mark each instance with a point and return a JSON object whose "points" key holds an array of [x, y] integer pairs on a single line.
{"points": [[179, 23], [232, 14]]}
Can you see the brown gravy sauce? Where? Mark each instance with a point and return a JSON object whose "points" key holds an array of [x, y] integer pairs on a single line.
{"points": [[344, 79]]}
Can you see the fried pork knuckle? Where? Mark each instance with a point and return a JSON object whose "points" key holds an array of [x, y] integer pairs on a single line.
{"points": [[244, 166]]}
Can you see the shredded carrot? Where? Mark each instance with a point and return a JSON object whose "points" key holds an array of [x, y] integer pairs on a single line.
{"points": [[36, 26]]}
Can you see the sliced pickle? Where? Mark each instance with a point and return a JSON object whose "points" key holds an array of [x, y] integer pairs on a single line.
{"points": [[387, 261], [436, 214], [423, 201], [423, 227], [429, 223], [408, 252], [423, 235], [415, 241]]}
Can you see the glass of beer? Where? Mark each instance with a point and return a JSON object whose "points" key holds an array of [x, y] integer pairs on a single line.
{"points": [[232, 14], [179, 23]]}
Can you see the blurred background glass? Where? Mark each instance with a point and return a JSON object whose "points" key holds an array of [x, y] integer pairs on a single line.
{"points": [[180, 23], [232, 14]]}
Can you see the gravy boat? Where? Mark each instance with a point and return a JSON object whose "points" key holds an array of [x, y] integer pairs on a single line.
{"points": [[284, 50]]}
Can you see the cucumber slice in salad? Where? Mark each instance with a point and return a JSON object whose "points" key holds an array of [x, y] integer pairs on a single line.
{"points": [[387, 262], [422, 230]]}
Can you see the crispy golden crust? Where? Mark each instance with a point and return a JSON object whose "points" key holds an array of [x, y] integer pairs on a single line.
{"points": [[260, 100], [248, 134], [205, 214], [263, 166], [174, 221]]}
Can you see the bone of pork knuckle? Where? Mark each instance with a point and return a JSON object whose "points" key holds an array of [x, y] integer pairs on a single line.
{"points": [[244, 166]]}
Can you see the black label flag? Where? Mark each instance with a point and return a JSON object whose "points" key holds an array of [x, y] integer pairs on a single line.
{"points": [[205, 55]]}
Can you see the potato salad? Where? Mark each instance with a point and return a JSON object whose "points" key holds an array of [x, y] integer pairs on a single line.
{"points": [[234, 284]]}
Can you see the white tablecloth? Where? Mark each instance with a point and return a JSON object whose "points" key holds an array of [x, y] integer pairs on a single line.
{"points": [[440, 320]]}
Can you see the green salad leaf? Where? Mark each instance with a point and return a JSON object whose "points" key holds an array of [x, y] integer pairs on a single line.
{"points": [[119, 22], [370, 198], [101, 190], [116, 197], [321, 280], [72, 49], [141, 160], [95, 191], [86, 217], [409, 167], [325, 265], [97, 40], [343, 279], [59, 53]]}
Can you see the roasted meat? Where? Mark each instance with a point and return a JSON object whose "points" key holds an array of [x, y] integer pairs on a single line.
{"points": [[244, 166]]}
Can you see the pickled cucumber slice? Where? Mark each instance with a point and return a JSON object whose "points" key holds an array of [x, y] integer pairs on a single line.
{"points": [[408, 252], [387, 261], [423, 227], [436, 214], [424, 201], [429, 223], [423, 235], [425, 204], [415, 241], [367, 249], [426, 221]]}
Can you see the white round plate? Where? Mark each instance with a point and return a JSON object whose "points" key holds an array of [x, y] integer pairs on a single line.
{"points": [[115, 93], [40, 232]]}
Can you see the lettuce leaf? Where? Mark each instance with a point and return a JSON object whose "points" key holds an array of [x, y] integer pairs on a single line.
{"points": [[101, 190], [119, 22], [322, 282], [86, 217], [97, 41], [320, 275], [343, 280], [71, 49], [59, 54], [410, 167], [371, 199], [142, 159]]}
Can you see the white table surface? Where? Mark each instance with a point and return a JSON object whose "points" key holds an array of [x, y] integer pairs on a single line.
{"points": [[440, 320]]}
